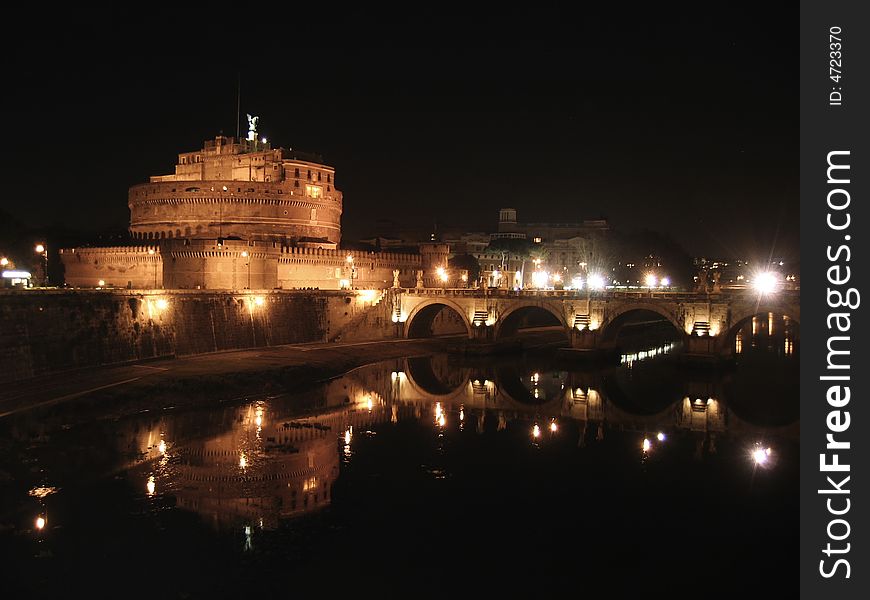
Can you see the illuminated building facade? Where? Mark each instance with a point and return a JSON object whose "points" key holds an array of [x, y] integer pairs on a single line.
{"points": [[240, 189], [237, 214]]}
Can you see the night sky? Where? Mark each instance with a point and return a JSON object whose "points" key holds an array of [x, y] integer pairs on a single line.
{"points": [[687, 125]]}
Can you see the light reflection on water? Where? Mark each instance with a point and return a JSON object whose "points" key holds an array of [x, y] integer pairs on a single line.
{"points": [[258, 466], [630, 358]]}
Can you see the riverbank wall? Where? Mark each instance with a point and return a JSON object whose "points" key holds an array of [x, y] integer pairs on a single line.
{"points": [[49, 331]]}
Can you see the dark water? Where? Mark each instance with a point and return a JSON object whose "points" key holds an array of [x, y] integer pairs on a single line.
{"points": [[422, 476]]}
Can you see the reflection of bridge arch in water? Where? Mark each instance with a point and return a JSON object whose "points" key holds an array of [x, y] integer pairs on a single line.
{"points": [[422, 317], [425, 383], [512, 389]]}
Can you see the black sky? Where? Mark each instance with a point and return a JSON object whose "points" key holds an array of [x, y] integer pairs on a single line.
{"points": [[687, 125]]}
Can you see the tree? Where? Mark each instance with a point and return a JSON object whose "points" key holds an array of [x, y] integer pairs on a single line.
{"points": [[467, 262]]}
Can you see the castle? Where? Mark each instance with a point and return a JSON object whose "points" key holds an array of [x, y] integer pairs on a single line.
{"points": [[238, 214]]}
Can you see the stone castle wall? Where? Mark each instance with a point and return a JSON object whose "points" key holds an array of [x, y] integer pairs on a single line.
{"points": [[137, 267], [203, 264], [225, 208]]}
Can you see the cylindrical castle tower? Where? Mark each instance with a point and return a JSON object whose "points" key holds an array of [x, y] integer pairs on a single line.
{"points": [[243, 189]]}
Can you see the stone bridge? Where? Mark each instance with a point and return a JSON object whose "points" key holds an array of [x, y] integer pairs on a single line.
{"points": [[591, 320]]}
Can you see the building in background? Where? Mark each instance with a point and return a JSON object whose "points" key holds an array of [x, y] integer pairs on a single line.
{"points": [[543, 255]]}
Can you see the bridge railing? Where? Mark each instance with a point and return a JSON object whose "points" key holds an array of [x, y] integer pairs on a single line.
{"points": [[675, 296]]}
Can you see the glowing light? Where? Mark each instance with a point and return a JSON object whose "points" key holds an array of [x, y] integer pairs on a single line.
{"points": [[577, 283], [557, 278], [344, 283], [660, 437], [553, 426], [461, 414], [40, 522], [442, 421], [42, 491], [348, 434], [259, 301], [595, 282], [370, 403], [761, 455], [101, 283], [766, 282], [245, 254], [16, 275], [666, 282], [243, 460], [4, 261], [646, 444], [442, 274], [367, 295], [40, 248], [349, 258], [651, 280], [151, 251], [151, 486], [536, 431], [540, 279], [162, 447], [162, 303]]}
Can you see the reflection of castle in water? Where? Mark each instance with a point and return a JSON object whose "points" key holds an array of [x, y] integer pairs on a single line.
{"points": [[271, 460], [263, 467]]}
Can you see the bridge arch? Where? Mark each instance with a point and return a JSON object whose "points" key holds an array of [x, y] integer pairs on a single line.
{"points": [[743, 315], [616, 317], [422, 317], [509, 319]]}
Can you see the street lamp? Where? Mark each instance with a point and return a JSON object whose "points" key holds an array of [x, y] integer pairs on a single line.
{"points": [[246, 256], [42, 250], [442, 274], [765, 282]]}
